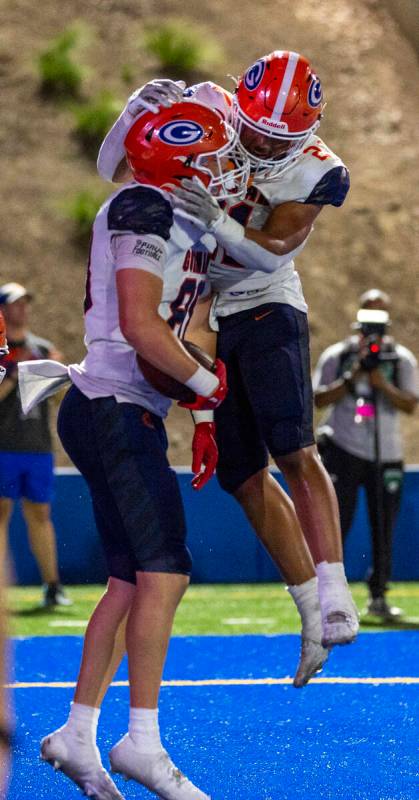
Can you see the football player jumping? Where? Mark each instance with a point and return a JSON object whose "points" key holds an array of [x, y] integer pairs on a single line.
{"points": [[261, 317], [110, 423]]}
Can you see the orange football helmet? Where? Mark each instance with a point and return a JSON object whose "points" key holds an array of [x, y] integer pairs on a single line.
{"points": [[186, 140], [277, 106]]}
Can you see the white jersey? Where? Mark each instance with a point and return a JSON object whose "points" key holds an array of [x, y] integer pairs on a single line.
{"points": [[135, 228], [318, 176]]}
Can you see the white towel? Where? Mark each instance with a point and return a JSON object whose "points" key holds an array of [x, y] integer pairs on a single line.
{"points": [[39, 380]]}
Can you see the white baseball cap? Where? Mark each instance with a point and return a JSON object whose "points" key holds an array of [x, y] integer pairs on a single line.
{"points": [[10, 292]]}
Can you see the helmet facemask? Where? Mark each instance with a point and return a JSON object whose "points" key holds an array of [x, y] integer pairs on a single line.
{"points": [[268, 168], [225, 171]]}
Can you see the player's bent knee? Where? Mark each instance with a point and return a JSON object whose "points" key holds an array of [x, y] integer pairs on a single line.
{"points": [[299, 462], [179, 563], [237, 479], [252, 487], [118, 586]]}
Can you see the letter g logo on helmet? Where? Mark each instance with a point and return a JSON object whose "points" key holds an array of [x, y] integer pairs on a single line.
{"points": [[254, 75], [181, 132], [315, 93]]}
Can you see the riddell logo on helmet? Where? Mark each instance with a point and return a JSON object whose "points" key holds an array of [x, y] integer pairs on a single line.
{"points": [[272, 123]]}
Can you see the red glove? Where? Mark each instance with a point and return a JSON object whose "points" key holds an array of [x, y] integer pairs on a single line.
{"points": [[213, 401], [204, 454]]}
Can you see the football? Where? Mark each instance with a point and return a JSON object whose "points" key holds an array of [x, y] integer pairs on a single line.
{"points": [[168, 386]]}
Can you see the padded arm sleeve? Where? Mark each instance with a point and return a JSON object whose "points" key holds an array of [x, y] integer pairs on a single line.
{"points": [[231, 235], [112, 149]]}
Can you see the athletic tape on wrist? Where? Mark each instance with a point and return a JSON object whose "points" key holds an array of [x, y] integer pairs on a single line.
{"points": [[203, 382], [202, 416]]}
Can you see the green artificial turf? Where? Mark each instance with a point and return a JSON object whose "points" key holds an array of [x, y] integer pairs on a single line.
{"points": [[216, 609]]}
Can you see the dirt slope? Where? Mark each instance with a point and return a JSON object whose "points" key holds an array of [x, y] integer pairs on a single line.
{"points": [[370, 74]]}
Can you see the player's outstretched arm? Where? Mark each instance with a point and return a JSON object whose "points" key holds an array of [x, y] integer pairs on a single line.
{"points": [[285, 230], [111, 163]]}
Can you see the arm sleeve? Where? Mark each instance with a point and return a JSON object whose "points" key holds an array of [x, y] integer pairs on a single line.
{"points": [[112, 149], [231, 235]]}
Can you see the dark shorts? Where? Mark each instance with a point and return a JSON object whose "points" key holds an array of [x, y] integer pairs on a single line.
{"points": [[120, 449], [269, 405], [29, 475]]}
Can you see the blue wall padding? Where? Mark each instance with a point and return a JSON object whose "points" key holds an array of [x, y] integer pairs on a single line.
{"points": [[223, 546]]}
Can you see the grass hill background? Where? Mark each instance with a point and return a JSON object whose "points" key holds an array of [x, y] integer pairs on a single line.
{"points": [[370, 75]]}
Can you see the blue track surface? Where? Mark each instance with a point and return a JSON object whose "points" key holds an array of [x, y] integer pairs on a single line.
{"points": [[253, 742]]}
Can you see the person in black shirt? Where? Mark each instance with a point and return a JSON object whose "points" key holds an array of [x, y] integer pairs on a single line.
{"points": [[26, 460]]}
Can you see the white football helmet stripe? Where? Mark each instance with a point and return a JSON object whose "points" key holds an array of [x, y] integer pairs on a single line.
{"points": [[285, 86]]}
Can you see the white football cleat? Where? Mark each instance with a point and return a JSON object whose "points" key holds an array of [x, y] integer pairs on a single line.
{"points": [[80, 761], [155, 771], [340, 619], [313, 656]]}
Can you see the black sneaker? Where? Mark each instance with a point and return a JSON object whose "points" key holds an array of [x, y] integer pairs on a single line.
{"points": [[54, 595], [378, 607]]}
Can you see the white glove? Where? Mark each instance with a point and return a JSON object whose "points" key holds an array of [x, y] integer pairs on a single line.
{"points": [[160, 92], [2, 373], [194, 199]]}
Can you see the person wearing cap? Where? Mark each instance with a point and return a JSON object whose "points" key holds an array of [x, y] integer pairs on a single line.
{"points": [[26, 460], [365, 382]]}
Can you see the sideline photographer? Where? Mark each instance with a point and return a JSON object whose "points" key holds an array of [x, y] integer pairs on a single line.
{"points": [[366, 380]]}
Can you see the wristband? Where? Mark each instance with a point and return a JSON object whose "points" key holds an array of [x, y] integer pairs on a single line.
{"points": [[203, 382], [202, 416]]}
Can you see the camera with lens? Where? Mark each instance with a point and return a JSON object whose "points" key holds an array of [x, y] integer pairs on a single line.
{"points": [[372, 357], [373, 325]]}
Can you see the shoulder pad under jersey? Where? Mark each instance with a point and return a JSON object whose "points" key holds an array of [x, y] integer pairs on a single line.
{"points": [[299, 181], [142, 210], [331, 189]]}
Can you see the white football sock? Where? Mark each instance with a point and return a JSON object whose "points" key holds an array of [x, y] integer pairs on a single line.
{"points": [[83, 720], [306, 598], [331, 573], [334, 591], [144, 730]]}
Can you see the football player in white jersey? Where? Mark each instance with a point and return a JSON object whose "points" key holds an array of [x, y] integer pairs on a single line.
{"points": [[262, 316], [260, 312], [110, 423]]}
